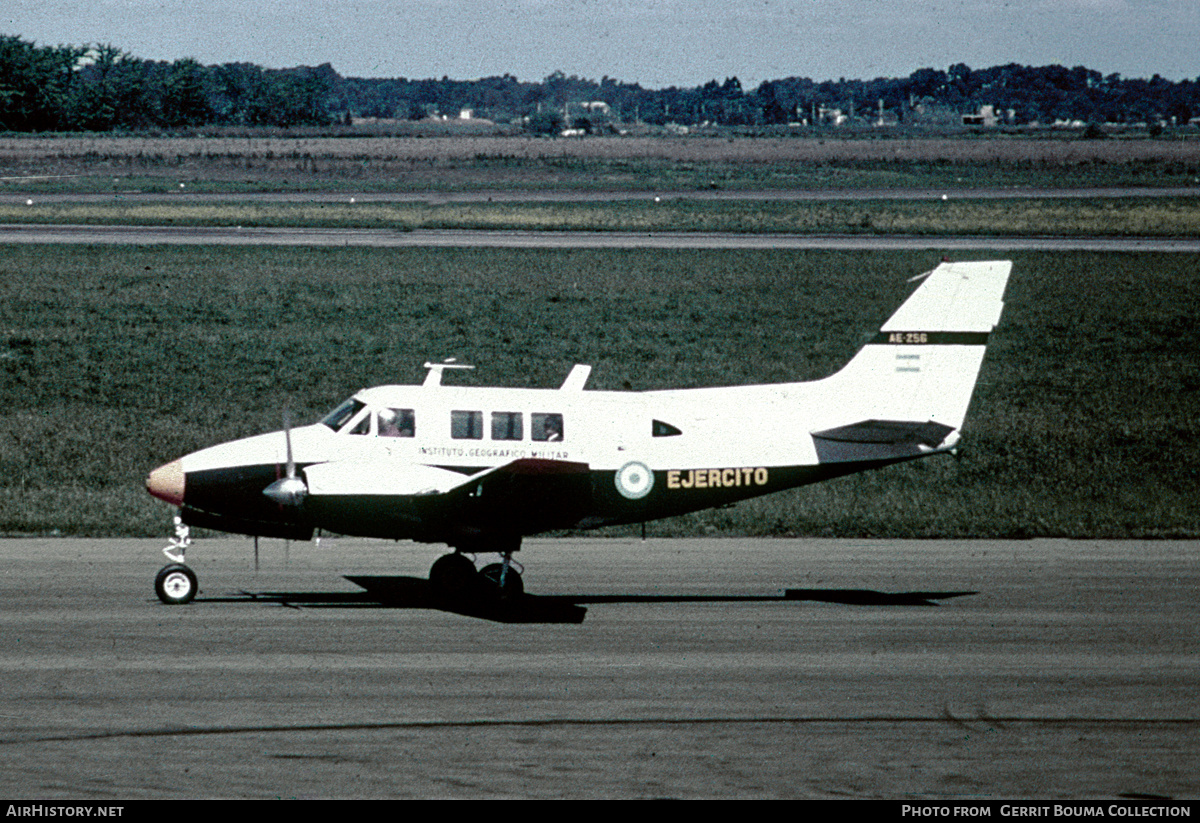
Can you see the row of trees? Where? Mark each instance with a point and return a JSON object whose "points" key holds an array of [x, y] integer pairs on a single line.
{"points": [[101, 88], [1043, 94]]}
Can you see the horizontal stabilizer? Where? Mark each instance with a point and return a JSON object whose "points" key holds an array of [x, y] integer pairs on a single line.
{"points": [[882, 440]]}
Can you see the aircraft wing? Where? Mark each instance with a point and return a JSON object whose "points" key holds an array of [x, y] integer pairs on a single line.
{"points": [[530, 495], [524, 496], [403, 479]]}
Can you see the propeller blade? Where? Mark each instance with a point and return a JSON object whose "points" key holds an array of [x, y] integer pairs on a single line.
{"points": [[289, 490], [287, 436]]}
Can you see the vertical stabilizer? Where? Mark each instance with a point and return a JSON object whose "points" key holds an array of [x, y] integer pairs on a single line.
{"points": [[923, 363]]}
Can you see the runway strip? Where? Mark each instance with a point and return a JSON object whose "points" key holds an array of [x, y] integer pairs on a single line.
{"points": [[1062, 669], [386, 238]]}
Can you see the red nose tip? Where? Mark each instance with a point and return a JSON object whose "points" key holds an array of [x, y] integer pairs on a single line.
{"points": [[166, 483]]}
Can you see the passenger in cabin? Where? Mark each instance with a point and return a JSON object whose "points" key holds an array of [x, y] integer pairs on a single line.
{"points": [[552, 428]]}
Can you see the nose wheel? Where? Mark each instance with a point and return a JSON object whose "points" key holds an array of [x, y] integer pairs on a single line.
{"points": [[176, 584]]}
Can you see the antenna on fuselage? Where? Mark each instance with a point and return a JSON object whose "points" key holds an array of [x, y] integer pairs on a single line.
{"points": [[434, 378]]}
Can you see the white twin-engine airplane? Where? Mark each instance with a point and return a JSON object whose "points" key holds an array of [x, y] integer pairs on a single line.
{"points": [[480, 468]]}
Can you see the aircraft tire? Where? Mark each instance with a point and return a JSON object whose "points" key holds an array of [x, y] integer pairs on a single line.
{"points": [[176, 584], [453, 575], [514, 586]]}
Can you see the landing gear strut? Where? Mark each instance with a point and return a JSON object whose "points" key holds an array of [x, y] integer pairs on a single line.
{"points": [[176, 583], [504, 577]]}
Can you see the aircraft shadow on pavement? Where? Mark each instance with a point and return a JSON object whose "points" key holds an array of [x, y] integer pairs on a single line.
{"points": [[398, 592]]}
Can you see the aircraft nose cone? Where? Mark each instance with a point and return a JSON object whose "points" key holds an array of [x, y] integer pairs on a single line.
{"points": [[166, 483]]}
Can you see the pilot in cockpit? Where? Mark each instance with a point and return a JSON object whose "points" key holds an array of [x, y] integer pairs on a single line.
{"points": [[396, 423]]}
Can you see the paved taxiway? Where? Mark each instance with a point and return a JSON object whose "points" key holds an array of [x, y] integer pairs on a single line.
{"points": [[1070, 670], [390, 238]]}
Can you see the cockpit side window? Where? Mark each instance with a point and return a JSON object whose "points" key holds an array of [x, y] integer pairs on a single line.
{"points": [[343, 413], [363, 426], [396, 423], [546, 427]]}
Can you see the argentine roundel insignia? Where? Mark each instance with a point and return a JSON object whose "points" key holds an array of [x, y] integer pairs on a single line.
{"points": [[635, 480]]}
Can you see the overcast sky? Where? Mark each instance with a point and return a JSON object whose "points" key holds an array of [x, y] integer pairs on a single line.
{"points": [[657, 43]]}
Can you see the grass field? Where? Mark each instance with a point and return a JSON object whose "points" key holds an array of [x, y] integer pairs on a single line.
{"points": [[117, 359], [1147, 217], [106, 163]]}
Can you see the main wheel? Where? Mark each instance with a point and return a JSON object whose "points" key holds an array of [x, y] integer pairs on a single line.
{"points": [[176, 584], [513, 586], [453, 575]]}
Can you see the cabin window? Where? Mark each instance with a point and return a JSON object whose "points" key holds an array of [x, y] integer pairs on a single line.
{"points": [[546, 427], [343, 413], [507, 426], [661, 429], [363, 426], [396, 423], [466, 425]]}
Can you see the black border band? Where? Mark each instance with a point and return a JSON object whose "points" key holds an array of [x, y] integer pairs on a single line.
{"points": [[931, 338]]}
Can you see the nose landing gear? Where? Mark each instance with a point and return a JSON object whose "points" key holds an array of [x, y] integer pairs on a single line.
{"points": [[175, 583]]}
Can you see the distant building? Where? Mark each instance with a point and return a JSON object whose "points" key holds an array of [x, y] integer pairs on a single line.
{"points": [[825, 114], [986, 116]]}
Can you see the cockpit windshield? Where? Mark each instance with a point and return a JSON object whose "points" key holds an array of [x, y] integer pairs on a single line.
{"points": [[342, 414]]}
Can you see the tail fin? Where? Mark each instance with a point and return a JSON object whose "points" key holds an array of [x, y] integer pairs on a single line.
{"points": [[922, 365]]}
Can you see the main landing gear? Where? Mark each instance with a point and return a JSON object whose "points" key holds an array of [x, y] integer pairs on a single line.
{"points": [[454, 576], [176, 583]]}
